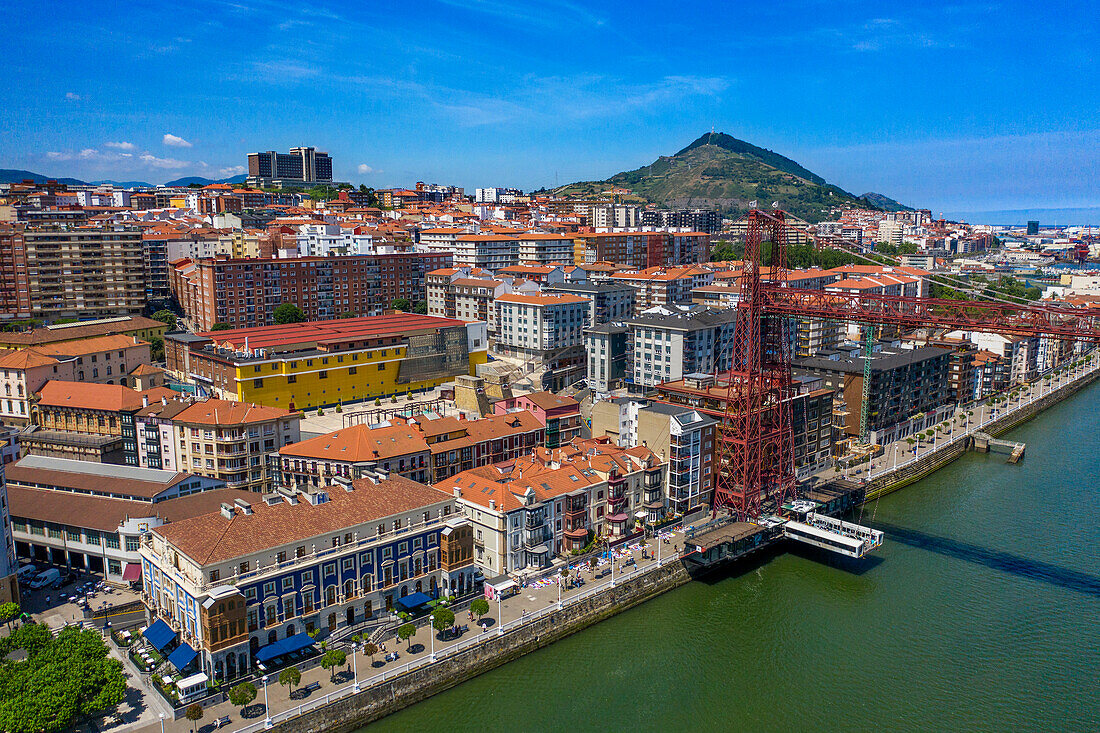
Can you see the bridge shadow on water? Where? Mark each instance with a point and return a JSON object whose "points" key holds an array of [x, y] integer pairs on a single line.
{"points": [[1008, 562]]}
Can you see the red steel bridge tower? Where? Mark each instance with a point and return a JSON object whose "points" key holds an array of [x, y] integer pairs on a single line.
{"points": [[755, 445]]}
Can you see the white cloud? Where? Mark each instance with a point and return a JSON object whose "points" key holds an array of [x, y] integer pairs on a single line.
{"points": [[233, 170], [171, 163], [174, 141], [120, 145], [364, 168], [72, 96]]}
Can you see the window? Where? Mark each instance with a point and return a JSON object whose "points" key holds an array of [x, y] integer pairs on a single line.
{"points": [[280, 557], [387, 553], [330, 569], [353, 370], [291, 379], [288, 584], [244, 567], [300, 551], [269, 588], [215, 575], [307, 577], [322, 375], [347, 563], [381, 367], [132, 544]]}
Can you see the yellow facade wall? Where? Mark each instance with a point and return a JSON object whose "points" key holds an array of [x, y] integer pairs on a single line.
{"points": [[300, 383]]}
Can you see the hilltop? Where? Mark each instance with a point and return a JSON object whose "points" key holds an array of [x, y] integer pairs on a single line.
{"points": [[721, 172]]}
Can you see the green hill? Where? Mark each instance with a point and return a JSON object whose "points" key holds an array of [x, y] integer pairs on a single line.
{"points": [[721, 172], [885, 202]]}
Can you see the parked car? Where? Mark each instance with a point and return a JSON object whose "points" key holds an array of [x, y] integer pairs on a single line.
{"points": [[27, 572], [46, 577]]}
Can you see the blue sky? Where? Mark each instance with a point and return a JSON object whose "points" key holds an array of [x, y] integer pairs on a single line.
{"points": [[957, 107]]}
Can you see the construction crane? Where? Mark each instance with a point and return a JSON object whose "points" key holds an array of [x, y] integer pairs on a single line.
{"points": [[756, 472]]}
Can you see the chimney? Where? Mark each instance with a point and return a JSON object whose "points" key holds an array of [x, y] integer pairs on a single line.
{"points": [[246, 508], [227, 511], [492, 505], [458, 493]]}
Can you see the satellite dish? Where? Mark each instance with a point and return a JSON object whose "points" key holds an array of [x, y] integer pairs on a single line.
{"points": [[752, 204]]}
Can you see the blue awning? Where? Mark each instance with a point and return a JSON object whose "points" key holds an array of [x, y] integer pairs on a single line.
{"points": [[283, 646], [416, 600], [159, 635], [182, 656]]}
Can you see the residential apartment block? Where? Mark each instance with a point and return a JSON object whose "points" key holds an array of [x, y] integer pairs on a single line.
{"points": [[244, 293], [527, 511], [81, 271], [548, 329], [908, 388], [236, 442], [665, 344]]}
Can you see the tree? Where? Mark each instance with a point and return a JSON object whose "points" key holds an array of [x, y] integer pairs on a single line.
{"points": [[220, 327], [290, 677], [349, 314], [405, 632], [243, 694], [400, 304], [288, 313], [59, 680], [9, 612], [166, 317], [156, 348], [370, 649], [194, 714], [443, 618], [479, 607], [332, 659], [421, 307]]}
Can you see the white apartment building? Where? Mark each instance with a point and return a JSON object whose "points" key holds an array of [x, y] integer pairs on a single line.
{"points": [[670, 341], [531, 325], [546, 249]]}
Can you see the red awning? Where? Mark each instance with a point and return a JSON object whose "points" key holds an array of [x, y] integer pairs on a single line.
{"points": [[132, 571]]}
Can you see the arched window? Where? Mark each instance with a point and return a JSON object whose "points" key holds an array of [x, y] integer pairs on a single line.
{"points": [[271, 637], [349, 588], [367, 583], [330, 595]]}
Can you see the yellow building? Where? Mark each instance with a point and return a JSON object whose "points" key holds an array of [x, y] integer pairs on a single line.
{"points": [[326, 363]]}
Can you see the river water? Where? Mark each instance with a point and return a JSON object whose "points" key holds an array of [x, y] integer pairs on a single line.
{"points": [[981, 612]]}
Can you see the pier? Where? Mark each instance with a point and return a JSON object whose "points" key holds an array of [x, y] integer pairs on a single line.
{"points": [[986, 443]]}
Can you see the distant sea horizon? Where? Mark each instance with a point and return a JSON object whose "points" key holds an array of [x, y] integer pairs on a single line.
{"points": [[1082, 216]]}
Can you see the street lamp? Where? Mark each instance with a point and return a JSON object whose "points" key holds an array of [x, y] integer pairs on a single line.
{"points": [[559, 591], [354, 666], [161, 716], [500, 616], [267, 708], [431, 633]]}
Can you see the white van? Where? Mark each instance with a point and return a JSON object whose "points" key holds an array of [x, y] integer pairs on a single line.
{"points": [[27, 572], [45, 578]]}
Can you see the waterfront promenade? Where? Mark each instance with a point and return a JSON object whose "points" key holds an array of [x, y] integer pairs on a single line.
{"points": [[972, 418], [534, 601]]}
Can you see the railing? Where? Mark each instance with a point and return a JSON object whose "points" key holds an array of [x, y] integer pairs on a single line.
{"points": [[458, 648]]}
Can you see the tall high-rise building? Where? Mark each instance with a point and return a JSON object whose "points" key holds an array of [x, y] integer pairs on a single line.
{"points": [[1032, 228], [300, 166]]}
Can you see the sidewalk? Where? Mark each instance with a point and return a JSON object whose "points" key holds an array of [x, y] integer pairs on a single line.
{"points": [[900, 453], [530, 600]]}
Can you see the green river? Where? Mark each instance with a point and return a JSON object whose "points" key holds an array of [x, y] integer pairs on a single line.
{"points": [[980, 613]]}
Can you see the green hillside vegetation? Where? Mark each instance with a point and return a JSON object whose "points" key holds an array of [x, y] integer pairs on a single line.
{"points": [[885, 202], [721, 172]]}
